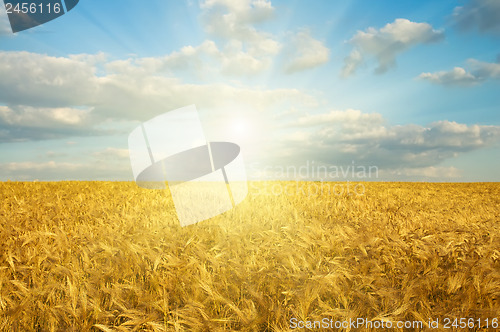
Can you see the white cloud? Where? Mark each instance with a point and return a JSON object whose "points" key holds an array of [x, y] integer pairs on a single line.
{"points": [[141, 97], [192, 58], [241, 49], [449, 135], [351, 63], [387, 43], [21, 123], [36, 166], [346, 117], [237, 62], [201, 62], [246, 50], [59, 170], [243, 11], [485, 70], [54, 95], [432, 172], [233, 20], [479, 72], [457, 76], [112, 153], [483, 15], [46, 81], [307, 53], [30, 165], [66, 164], [43, 117], [343, 136]]}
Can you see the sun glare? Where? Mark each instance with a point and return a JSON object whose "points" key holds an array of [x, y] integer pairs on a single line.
{"points": [[240, 127]]}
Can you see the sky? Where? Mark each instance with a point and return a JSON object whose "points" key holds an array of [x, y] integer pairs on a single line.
{"points": [[409, 87]]}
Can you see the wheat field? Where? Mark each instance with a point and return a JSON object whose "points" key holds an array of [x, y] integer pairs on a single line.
{"points": [[110, 256]]}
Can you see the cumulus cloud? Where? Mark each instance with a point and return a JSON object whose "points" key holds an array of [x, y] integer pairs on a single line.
{"points": [[387, 43], [483, 15], [485, 70], [195, 59], [43, 117], [141, 97], [203, 61], [346, 117], [21, 123], [242, 12], [457, 76], [478, 73], [339, 137], [246, 49], [46, 81], [236, 62], [351, 63], [234, 20], [112, 153], [60, 170], [102, 164], [29, 165], [53, 96], [307, 53], [431, 172]]}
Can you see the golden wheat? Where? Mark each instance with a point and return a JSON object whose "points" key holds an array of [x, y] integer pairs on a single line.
{"points": [[109, 256]]}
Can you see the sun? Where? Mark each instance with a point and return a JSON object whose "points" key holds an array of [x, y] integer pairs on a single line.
{"points": [[240, 127]]}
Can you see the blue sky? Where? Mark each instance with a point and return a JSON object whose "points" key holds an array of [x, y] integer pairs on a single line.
{"points": [[408, 86]]}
